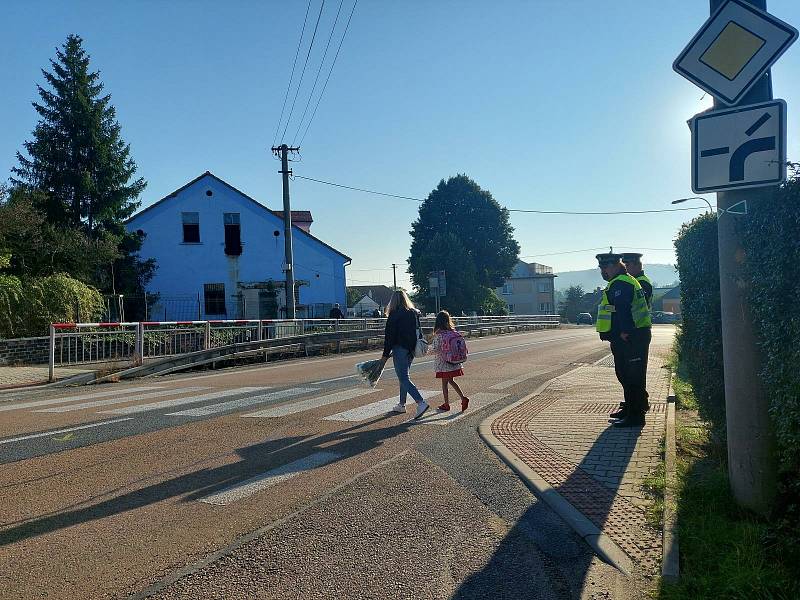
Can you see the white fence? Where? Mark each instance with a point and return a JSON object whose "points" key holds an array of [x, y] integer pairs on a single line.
{"points": [[83, 343]]}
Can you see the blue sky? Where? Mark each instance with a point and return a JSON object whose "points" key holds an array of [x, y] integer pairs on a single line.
{"points": [[551, 105]]}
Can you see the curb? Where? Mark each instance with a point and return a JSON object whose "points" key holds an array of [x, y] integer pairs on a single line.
{"points": [[599, 542], [670, 564]]}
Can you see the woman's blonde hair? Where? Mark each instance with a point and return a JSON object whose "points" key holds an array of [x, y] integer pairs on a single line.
{"points": [[398, 300]]}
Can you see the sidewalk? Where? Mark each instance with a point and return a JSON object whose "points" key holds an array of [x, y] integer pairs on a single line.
{"points": [[561, 443], [19, 377]]}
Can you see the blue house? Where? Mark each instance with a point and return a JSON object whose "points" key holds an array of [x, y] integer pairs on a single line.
{"points": [[220, 255]]}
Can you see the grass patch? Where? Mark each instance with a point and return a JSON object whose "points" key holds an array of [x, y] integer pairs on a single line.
{"points": [[724, 550], [654, 485]]}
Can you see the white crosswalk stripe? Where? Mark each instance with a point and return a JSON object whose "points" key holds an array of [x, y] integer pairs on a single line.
{"points": [[254, 484], [69, 429], [122, 400], [114, 390], [311, 403], [381, 407], [476, 401], [131, 410], [214, 409]]}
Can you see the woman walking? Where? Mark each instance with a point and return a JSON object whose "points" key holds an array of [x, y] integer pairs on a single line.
{"points": [[450, 350], [399, 341]]}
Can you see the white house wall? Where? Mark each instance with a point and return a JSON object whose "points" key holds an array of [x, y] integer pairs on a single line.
{"points": [[183, 268]]}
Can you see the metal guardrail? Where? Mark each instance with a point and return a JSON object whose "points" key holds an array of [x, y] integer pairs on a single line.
{"points": [[132, 343]]}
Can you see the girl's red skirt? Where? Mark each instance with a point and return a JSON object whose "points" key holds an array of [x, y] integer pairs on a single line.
{"points": [[449, 374]]}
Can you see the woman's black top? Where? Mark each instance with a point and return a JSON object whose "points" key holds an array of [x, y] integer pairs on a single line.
{"points": [[401, 330]]}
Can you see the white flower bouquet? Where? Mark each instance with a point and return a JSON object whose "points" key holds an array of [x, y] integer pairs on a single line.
{"points": [[370, 371]]}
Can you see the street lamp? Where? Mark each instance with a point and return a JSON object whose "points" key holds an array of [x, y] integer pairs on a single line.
{"points": [[679, 200]]}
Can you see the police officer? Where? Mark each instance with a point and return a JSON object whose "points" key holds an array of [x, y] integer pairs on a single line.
{"points": [[633, 263], [623, 319]]}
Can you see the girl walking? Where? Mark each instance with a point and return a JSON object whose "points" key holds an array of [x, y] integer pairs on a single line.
{"points": [[450, 350]]}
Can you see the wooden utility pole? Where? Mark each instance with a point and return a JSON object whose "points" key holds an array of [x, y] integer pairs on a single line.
{"points": [[394, 275], [283, 151]]}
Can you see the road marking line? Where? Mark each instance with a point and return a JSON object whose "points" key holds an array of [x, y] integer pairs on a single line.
{"points": [[213, 409], [259, 482], [65, 399], [312, 403], [374, 409], [96, 403], [49, 433], [130, 410], [476, 401]]}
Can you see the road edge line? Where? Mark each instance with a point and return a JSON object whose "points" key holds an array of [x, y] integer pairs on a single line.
{"points": [[598, 541]]}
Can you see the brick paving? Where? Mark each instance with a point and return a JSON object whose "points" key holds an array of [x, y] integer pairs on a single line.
{"points": [[563, 434]]}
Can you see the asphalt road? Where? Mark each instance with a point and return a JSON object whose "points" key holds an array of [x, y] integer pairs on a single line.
{"points": [[293, 478]]}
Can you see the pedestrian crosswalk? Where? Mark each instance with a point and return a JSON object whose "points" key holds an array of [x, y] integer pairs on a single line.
{"points": [[246, 402], [375, 409], [132, 410], [311, 403], [120, 400], [78, 398], [476, 401]]}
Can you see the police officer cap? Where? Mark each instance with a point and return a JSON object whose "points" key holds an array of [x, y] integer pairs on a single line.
{"points": [[631, 257], [607, 258]]}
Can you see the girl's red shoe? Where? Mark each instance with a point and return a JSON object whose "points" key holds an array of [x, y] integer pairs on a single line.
{"points": [[464, 403], [444, 407]]}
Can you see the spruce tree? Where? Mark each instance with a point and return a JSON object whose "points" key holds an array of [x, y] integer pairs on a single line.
{"points": [[77, 156]]}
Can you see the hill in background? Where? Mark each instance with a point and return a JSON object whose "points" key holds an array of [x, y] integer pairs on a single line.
{"points": [[660, 275]]}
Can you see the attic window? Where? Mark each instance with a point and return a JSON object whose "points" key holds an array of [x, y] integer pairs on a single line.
{"points": [[233, 236], [209, 193], [191, 227]]}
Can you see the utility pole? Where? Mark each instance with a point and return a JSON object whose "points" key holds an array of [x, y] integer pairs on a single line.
{"points": [[394, 275], [283, 150], [751, 442]]}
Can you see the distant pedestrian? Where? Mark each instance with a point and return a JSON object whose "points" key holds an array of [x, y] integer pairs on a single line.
{"points": [[399, 341], [336, 312], [376, 313], [451, 352]]}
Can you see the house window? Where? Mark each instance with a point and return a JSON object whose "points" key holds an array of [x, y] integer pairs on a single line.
{"points": [[544, 308], [191, 227], [233, 237], [508, 288], [511, 309], [214, 294], [544, 286]]}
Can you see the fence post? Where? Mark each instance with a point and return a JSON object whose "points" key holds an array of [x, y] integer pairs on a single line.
{"points": [[207, 336], [259, 332], [138, 356], [199, 315], [52, 358]]}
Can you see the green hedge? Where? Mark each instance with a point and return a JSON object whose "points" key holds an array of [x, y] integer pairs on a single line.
{"points": [[700, 336], [28, 306], [771, 234]]}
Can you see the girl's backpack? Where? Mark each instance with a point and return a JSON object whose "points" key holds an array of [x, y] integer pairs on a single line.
{"points": [[454, 347]]}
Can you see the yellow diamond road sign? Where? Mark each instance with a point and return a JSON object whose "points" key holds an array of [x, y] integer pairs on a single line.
{"points": [[733, 49]]}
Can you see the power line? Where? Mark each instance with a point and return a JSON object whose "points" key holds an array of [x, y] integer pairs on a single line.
{"points": [[518, 210], [303, 72], [294, 64], [324, 87], [319, 72]]}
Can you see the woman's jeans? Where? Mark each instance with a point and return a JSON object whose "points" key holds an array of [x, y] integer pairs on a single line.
{"points": [[402, 362]]}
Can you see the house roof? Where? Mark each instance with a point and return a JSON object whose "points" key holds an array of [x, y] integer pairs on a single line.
{"points": [[298, 216], [295, 229], [673, 294], [523, 269], [380, 293]]}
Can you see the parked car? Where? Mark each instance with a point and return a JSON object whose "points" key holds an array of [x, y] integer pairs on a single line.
{"points": [[661, 317], [584, 319]]}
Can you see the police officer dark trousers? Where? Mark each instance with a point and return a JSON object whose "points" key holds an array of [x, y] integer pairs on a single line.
{"points": [[633, 264], [623, 319]]}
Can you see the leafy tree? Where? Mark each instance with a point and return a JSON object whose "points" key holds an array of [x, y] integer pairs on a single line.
{"points": [[353, 296], [570, 307], [460, 207], [463, 291]]}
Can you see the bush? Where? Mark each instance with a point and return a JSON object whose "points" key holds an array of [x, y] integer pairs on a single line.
{"points": [[700, 336], [28, 306]]}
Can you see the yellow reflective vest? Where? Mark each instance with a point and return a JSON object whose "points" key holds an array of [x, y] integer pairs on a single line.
{"points": [[642, 278], [639, 309]]}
